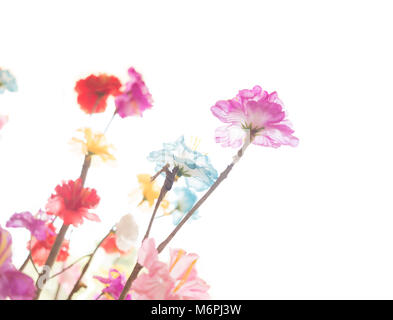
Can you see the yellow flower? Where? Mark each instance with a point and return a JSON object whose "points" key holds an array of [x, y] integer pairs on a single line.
{"points": [[95, 144], [149, 189], [150, 192]]}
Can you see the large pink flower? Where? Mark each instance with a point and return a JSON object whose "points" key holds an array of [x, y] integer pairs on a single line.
{"points": [[136, 97], [178, 281], [256, 114]]}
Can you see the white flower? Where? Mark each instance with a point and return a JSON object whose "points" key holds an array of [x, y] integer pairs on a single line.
{"points": [[126, 232]]}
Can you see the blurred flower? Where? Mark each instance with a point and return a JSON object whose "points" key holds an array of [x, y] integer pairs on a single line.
{"points": [[150, 189], [37, 227], [253, 114], [14, 284], [109, 245], [114, 285], [126, 233], [40, 249], [178, 281], [185, 200], [94, 144], [7, 81], [136, 97], [193, 165], [3, 121], [72, 202], [68, 278], [93, 92]]}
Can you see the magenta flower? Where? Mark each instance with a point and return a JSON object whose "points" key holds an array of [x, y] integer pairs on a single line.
{"points": [[253, 114], [114, 284], [13, 283], [136, 97], [37, 227], [176, 281]]}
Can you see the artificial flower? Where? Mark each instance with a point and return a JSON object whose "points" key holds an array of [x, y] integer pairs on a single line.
{"points": [[94, 91], [109, 245], [14, 284], [3, 121], [185, 200], [7, 81], [193, 165], [176, 281], [256, 115], [135, 98], [40, 249], [150, 189], [126, 233], [114, 285], [94, 144], [37, 227], [68, 278], [72, 202]]}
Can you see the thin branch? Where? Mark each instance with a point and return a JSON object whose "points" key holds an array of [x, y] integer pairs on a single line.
{"points": [[161, 247], [164, 169], [110, 121], [24, 264], [86, 267], [70, 266], [168, 183]]}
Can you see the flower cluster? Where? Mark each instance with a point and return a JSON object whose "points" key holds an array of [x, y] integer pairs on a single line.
{"points": [[183, 178]]}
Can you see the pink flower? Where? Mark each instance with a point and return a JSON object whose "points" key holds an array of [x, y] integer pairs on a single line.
{"points": [[136, 97], [178, 281], [3, 121], [114, 285], [68, 278], [255, 112], [13, 283], [37, 227]]}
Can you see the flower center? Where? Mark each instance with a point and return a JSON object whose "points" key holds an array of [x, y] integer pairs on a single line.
{"points": [[253, 130]]}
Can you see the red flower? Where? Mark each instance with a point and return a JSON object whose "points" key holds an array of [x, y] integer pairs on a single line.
{"points": [[40, 248], [109, 245], [72, 203], [95, 90]]}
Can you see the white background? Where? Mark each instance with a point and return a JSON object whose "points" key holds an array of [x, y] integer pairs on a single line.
{"points": [[308, 222]]}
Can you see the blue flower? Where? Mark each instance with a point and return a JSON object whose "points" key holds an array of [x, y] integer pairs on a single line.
{"points": [[7, 81], [183, 204], [193, 165]]}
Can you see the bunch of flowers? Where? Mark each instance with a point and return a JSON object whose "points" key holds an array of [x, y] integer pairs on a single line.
{"points": [[182, 180]]}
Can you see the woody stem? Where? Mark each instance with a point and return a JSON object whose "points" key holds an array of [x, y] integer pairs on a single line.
{"points": [[168, 183], [220, 179], [41, 281], [163, 244]]}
